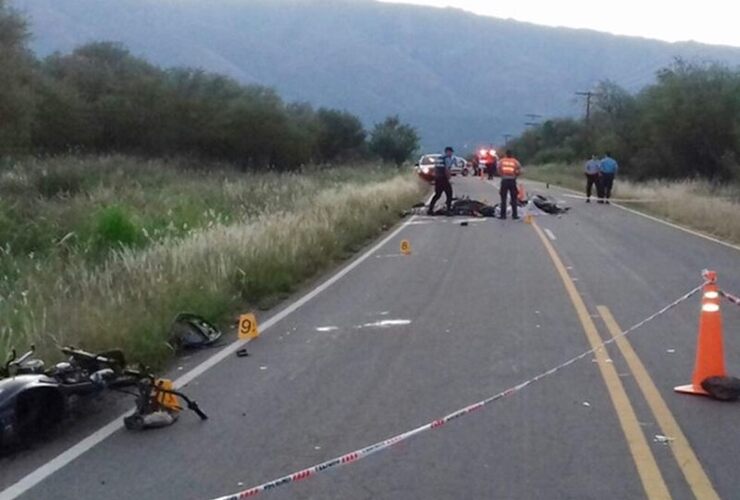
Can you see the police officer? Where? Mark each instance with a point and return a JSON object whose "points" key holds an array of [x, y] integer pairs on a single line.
{"points": [[442, 173], [509, 169], [491, 166], [592, 177], [607, 171]]}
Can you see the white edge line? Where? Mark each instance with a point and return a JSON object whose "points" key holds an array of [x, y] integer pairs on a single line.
{"points": [[659, 220], [72, 453], [679, 227], [550, 234]]}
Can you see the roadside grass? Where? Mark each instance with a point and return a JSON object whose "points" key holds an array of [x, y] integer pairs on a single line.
{"points": [[698, 204], [151, 239]]}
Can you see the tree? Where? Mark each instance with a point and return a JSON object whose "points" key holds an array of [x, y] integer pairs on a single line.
{"points": [[394, 141], [16, 83], [339, 133]]}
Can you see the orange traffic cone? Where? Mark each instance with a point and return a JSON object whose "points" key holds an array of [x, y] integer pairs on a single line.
{"points": [[710, 356]]}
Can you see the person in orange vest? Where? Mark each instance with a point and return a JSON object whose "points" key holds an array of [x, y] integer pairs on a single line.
{"points": [[509, 169]]}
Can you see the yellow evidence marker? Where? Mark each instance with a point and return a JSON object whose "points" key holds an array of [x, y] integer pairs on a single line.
{"points": [[405, 247], [248, 327]]}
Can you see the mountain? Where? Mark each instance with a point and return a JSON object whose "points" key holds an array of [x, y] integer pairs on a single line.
{"points": [[461, 79]]}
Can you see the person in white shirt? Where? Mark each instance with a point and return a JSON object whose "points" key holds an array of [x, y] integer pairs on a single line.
{"points": [[592, 176]]}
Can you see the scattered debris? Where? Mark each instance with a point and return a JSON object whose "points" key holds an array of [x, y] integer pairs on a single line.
{"points": [[385, 323], [670, 351], [659, 438], [326, 328], [242, 353], [587, 404], [722, 388], [158, 404], [548, 205], [190, 331], [464, 223], [263, 367]]}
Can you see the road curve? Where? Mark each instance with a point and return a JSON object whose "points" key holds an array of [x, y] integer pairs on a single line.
{"points": [[401, 340]]}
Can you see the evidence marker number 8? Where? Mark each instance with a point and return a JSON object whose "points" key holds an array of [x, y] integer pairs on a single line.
{"points": [[405, 247]]}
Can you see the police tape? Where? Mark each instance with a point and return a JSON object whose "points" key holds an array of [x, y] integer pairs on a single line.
{"points": [[732, 298], [361, 453]]}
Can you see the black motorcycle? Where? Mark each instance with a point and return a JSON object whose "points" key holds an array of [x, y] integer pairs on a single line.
{"points": [[34, 400]]}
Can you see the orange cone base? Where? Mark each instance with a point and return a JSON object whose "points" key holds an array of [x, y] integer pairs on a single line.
{"points": [[691, 389]]}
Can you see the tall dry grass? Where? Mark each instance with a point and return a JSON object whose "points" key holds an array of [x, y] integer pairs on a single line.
{"points": [[713, 209], [130, 298]]}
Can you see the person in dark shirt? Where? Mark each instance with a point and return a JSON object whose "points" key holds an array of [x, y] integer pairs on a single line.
{"points": [[442, 174]]}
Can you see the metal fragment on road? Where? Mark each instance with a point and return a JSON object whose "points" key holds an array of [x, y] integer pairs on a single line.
{"points": [[587, 404], [385, 323], [660, 438], [326, 328]]}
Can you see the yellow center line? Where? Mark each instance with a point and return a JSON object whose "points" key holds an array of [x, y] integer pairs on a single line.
{"points": [[689, 464], [647, 467]]}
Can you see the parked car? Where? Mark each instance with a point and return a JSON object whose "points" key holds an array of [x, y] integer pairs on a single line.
{"points": [[426, 164]]}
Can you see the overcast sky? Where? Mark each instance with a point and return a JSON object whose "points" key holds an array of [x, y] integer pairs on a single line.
{"points": [[707, 21]]}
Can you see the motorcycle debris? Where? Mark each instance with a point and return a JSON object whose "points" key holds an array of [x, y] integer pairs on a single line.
{"points": [[659, 438]]}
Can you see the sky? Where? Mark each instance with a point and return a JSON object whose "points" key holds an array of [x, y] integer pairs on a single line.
{"points": [[707, 21]]}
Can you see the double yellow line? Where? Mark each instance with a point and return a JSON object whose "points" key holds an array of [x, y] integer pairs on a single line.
{"points": [[647, 467]]}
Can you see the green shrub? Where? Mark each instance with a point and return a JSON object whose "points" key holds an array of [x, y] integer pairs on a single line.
{"points": [[114, 228]]}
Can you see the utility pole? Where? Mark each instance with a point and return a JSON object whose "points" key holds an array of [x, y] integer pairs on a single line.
{"points": [[506, 139], [588, 95]]}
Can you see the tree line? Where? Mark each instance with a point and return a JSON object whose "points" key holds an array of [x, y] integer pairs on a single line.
{"points": [[686, 124], [102, 99]]}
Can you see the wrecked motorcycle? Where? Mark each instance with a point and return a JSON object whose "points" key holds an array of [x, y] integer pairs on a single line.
{"points": [[157, 403], [34, 400]]}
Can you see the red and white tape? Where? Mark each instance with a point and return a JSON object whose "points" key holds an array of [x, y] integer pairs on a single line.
{"points": [[356, 455], [732, 298]]}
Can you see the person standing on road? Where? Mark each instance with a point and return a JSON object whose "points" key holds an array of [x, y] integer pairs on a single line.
{"points": [[491, 167], [442, 173], [608, 168], [509, 169], [592, 177]]}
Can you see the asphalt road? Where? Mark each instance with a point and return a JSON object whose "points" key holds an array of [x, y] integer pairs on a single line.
{"points": [[402, 340]]}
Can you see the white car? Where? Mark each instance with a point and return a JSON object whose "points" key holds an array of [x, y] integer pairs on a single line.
{"points": [[425, 166]]}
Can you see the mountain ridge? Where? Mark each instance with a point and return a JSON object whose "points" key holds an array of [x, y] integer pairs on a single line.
{"points": [[459, 78]]}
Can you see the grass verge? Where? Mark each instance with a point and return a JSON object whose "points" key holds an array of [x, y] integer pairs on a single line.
{"points": [[290, 228], [697, 204]]}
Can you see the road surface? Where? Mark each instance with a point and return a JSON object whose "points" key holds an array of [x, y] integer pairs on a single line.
{"points": [[401, 340]]}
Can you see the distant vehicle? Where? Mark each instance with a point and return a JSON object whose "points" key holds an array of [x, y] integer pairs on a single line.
{"points": [[486, 159], [426, 164]]}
